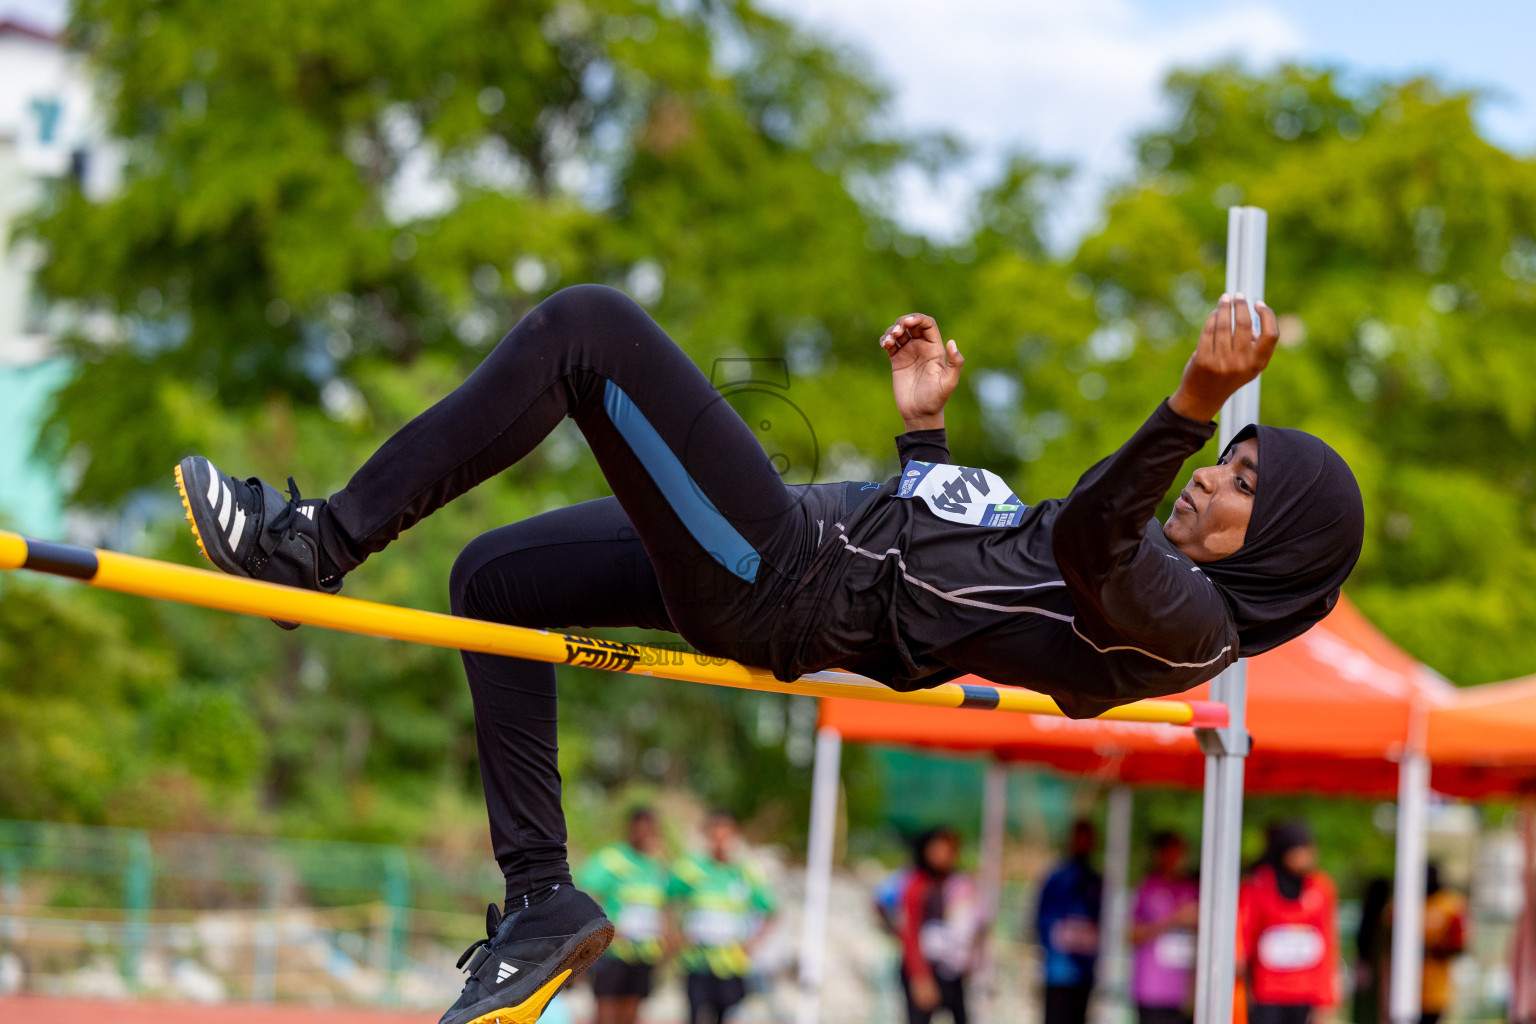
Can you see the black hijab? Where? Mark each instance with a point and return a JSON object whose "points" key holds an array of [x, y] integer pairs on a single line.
{"points": [[1282, 839], [1303, 539]]}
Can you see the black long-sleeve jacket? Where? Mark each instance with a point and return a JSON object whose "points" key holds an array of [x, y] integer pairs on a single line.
{"points": [[1082, 598]]}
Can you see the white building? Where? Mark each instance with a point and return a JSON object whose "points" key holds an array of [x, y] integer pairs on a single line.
{"points": [[50, 131]]}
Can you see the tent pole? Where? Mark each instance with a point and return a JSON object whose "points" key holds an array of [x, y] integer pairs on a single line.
{"points": [[1226, 748], [989, 879], [1116, 905], [1408, 889], [825, 775], [1203, 957]]}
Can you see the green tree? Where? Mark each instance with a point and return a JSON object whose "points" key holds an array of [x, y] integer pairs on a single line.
{"points": [[330, 212]]}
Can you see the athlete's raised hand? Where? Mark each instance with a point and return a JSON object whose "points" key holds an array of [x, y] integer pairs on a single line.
{"points": [[1230, 354], [924, 369]]}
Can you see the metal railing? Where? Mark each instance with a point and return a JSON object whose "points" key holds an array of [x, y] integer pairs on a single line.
{"points": [[110, 911]]}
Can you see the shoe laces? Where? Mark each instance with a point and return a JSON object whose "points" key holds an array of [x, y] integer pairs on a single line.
{"points": [[471, 952], [283, 520], [492, 923]]}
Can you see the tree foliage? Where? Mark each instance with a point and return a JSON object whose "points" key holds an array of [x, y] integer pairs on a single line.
{"points": [[332, 210]]}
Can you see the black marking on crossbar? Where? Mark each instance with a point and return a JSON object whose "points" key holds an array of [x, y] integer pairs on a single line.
{"points": [[60, 559], [611, 655], [984, 698]]}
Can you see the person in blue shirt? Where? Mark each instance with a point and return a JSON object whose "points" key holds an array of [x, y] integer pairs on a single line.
{"points": [[1067, 924]]}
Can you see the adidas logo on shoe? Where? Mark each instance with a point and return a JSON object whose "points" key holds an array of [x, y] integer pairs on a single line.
{"points": [[504, 972]]}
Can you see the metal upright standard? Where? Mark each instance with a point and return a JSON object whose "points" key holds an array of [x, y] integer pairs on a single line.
{"points": [[1226, 747]]}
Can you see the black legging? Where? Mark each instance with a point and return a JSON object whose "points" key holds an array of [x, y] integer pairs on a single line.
{"points": [[702, 536], [712, 1000], [951, 998], [1279, 1013]]}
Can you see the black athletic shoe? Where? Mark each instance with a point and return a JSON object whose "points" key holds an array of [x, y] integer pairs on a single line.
{"points": [[529, 955], [247, 528]]}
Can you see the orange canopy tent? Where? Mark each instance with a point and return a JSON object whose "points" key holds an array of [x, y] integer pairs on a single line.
{"points": [[1488, 733], [1340, 710], [1329, 712]]}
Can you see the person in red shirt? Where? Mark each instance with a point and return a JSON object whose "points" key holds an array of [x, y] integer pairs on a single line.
{"points": [[937, 933], [1290, 940]]}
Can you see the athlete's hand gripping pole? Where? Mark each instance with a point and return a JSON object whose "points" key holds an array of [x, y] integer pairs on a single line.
{"points": [[1228, 355]]}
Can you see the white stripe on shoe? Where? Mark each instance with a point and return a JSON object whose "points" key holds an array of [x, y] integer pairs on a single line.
{"points": [[236, 530], [213, 486], [227, 504]]}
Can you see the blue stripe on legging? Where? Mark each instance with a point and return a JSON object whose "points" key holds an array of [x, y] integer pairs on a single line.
{"points": [[711, 529]]}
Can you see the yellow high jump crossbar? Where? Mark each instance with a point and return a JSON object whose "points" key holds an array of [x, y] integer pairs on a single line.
{"points": [[146, 577]]}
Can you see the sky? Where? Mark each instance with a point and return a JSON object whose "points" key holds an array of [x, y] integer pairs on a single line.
{"points": [[1074, 80]]}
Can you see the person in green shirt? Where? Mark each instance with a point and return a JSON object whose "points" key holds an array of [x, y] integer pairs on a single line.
{"points": [[726, 907], [630, 882]]}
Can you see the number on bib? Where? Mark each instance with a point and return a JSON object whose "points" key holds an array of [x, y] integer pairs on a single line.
{"points": [[962, 494]]}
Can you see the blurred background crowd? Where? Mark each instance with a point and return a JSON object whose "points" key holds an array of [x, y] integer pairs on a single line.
{"points": [[272, 232]]}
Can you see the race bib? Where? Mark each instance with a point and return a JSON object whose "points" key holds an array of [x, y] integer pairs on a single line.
{"points": [[716, 927], [961, 494], [935, 940], [639, 922], [1174, 950], [1290, 947]]}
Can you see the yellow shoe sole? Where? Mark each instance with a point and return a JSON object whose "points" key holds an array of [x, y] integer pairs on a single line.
{"points": [[530, 1009], [181, 488]]}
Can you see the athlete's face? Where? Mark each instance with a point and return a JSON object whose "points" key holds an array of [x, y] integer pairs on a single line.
{"points": [[941, 853], [644, 835], [1210, 519], [720, 833], [1300, 860], [1083, 840], [1170, 859]]}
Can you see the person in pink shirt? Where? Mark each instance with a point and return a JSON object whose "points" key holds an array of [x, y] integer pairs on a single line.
{"points": [[1163, 933]]}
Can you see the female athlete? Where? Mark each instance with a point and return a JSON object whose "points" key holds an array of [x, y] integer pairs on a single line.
{"points": [[937, 572]]}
